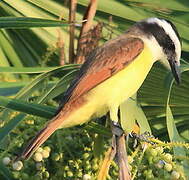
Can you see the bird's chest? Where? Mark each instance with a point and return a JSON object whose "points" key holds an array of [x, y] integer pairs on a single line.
{"points": [[126, 82]]}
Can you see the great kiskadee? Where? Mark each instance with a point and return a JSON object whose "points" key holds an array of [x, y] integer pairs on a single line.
{"points": [[112, 73]]}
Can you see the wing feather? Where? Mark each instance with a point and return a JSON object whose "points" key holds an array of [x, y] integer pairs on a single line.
{"points": [[104, 62]]}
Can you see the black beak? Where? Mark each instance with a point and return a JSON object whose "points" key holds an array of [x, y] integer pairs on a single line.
{"points": [[175, 70]]}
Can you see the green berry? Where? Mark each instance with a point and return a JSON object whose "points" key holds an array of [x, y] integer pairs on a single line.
{"points": [[153, 152], [87, 149], [155, 159], [159, 150], [45, 175], [66, 168], [6, 160], [87, 162], [2, 123], [167, 157], [17, 165], [88, 167], [86, 177], [86, 155], [79, 174], [175, 175], [168, 167], [47, 148], [37, 157], [148, 173], [79, 161], [95, 160], [130, 159], [39, 150], [43, 169], [71, 163], [69, 174], [61, 155], [95, 167], [45, 153], [150, 160], [56, 157], [30, 121]]}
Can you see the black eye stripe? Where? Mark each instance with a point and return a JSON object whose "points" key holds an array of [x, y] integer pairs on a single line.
{"points": [[160, 35]]}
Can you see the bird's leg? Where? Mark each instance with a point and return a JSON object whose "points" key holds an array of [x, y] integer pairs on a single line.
{"points": [[115, 126], [117, 131], [119, 146]]}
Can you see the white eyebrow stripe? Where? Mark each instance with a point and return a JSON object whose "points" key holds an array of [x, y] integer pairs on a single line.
{"points": [[169, 31]]}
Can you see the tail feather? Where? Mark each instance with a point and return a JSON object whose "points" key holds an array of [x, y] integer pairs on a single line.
{"points": [[39, 139]]}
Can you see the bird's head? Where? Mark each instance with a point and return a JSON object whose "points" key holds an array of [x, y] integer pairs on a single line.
{"points": [[163, 39]]}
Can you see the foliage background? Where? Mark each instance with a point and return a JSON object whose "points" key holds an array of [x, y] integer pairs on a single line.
{"points": [[31, 76]]}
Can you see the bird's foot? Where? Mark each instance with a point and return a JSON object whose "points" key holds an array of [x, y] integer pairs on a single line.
{"points": [[117, 129], [145, 137]]}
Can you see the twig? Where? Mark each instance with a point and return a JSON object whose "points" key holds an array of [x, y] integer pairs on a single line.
{"points": [[124, 173], [86, 27], [109, 156], [89, 15], [60, 46], [72, 12]]}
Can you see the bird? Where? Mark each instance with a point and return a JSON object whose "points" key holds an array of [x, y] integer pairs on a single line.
{"points": [[112, 73]]}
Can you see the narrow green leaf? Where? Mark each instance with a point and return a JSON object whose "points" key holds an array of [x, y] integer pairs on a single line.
{"points": [[59, 87], [172, 130], [29, 108], [171, 127], [32, 70], [4, 131], [127, 115], [36, 83], [130, 112], [28, 22]]}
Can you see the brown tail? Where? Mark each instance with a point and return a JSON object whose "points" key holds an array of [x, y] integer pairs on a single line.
{"points": [[40, 138]]}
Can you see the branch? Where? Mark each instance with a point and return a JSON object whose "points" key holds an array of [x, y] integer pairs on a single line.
{"points": [[72, 12], [85, 38]]}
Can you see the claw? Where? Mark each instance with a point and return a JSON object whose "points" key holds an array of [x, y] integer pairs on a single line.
{"points": [[142, 137]]}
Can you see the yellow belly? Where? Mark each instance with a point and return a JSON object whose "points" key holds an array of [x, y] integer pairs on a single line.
{"points": [[108, 95]]}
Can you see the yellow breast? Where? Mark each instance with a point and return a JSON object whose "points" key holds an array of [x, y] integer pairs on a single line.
{"points": [[112, 92], [125, 83]]}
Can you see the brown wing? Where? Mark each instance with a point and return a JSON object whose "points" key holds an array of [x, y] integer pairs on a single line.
{"points": [[101, 65], [106, 61]]}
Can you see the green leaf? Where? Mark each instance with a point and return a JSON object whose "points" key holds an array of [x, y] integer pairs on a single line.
{"points": [[36, 83], [26, 70], [29, 108], [58, 88], [28, 22], [5, 130], [10, 88], [130, 112], [172, 130], [171, 127]]}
